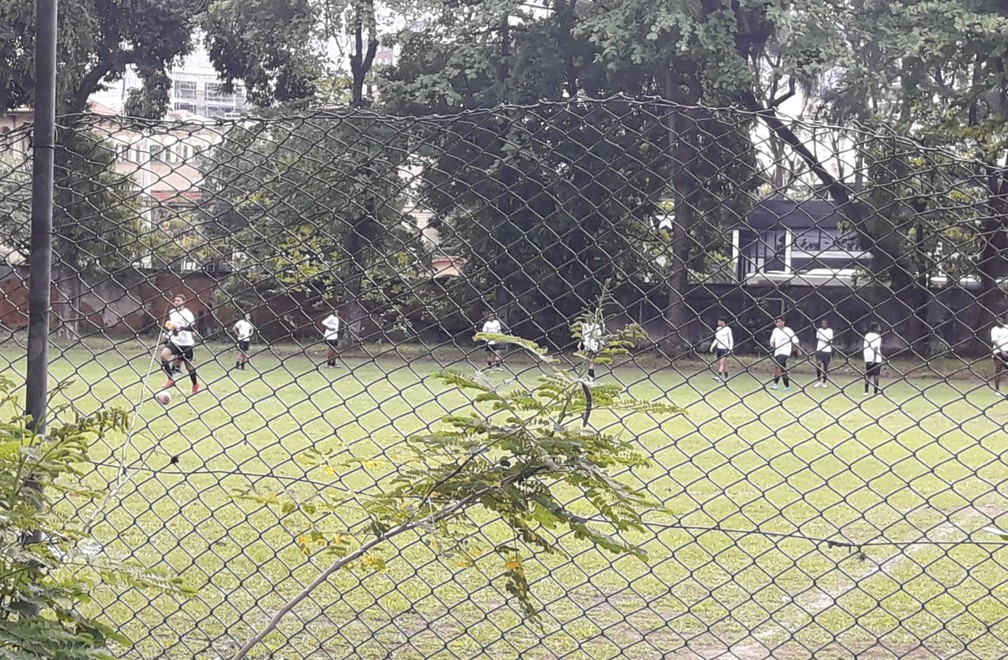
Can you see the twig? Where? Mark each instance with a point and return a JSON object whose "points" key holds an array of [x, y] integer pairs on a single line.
{"points": [[343, 561]]}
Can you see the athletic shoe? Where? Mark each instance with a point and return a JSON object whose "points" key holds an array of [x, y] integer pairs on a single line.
{"points": [[774, 386], [196, 388], [787, 389], [168, 383]]}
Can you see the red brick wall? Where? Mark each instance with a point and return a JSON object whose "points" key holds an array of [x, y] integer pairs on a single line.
{"points": [[108, 305]]}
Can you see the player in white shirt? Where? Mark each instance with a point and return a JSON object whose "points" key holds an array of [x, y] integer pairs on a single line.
{"points": [[243, 330], [592, 335], [999, 349], [330, 331], [179, 342], [873, 356], [722, 346], [492, 325], [824, 352], [783, 342]]}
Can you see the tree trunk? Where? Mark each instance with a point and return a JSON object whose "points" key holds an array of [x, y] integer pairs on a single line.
{"points": [[681, 126], [358, 251], [362, 58]]}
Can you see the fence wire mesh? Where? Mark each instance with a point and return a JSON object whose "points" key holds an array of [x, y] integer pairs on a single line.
{"points": [[836, 516]]}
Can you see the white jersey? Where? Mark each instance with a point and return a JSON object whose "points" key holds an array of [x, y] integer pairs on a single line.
{"points": [[591, 336], [244, 330], [493, 327], [723, 340], [782, 341], [999, 339], [824, 340], [331, 324], [873, 348], [182, 322]]}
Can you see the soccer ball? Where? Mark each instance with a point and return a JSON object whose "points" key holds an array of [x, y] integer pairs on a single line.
{"points": [[163, 397], [169, 326]]}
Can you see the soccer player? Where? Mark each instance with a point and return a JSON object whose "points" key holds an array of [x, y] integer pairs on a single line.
{"points": [[331, 325], [591, 342], [179, 342], [243, 330], [999, 348], [783, 342], [493, 354], [873, 356], [722, 346], [824, 352]]}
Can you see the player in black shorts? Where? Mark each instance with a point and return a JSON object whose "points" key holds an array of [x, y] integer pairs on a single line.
{"points": [[873, 357], [243, 330], [179, 342]]}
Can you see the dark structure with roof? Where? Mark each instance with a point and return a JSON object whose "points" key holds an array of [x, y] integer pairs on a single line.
{"points": [[781, 239]]}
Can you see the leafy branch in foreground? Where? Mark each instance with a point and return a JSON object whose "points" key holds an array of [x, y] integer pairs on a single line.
{"points": [[49, 564], [509, 455]]}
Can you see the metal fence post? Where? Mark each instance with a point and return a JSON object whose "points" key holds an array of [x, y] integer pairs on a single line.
{"points": [[36, 381]]}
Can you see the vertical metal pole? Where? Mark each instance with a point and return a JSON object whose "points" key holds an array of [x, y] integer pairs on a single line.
{"points": [[40, 274]]}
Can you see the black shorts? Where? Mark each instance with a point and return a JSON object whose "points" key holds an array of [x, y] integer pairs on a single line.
{"points": [[332, 343], [185, 352], [781, 360], [873, 368], [243, 344], [1001, 357], [491, 348], [824, 356], [721, 352]]}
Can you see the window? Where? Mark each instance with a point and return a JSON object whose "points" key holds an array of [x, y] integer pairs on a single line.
{"points": [[185, 89], [157, 153], [771, 251], [816, 241], [215, 94]]}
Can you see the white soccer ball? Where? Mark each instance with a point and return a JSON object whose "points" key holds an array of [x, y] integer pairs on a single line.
{"points": [[163, 397]]}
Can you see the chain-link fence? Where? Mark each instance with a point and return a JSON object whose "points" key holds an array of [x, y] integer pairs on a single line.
{"points": [[825, 493]]}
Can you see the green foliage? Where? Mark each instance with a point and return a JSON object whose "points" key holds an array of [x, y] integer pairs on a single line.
{"points": [[48, 561], [98, 41], [96, 220], [581, 186], [516, 453], [274, 46], [313, 205], [15, 199]]}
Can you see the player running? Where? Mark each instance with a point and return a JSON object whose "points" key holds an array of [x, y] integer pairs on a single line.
{"points": [[873, 357], [824, 352], [179, 342], [331, 329], [722, 346], [783, 342], [493, 326], [243, 330], [999, 349]]}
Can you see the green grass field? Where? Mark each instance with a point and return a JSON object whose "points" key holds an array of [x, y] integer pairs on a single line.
{"points": [[910, 479]]}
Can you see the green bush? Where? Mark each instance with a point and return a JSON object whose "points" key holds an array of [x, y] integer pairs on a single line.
{"points": [[49, 563]]}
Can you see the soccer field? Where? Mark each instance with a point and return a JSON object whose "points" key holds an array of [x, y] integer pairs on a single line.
{"points": [[909, 480]]}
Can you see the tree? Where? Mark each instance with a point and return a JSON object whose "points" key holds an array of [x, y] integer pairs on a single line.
{"points": [[96, 221], [99, 40], [930, 71], [312, 205], [580, 184]]}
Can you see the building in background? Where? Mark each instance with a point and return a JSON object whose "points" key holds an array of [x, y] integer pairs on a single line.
{"points": [[196, 88]]}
